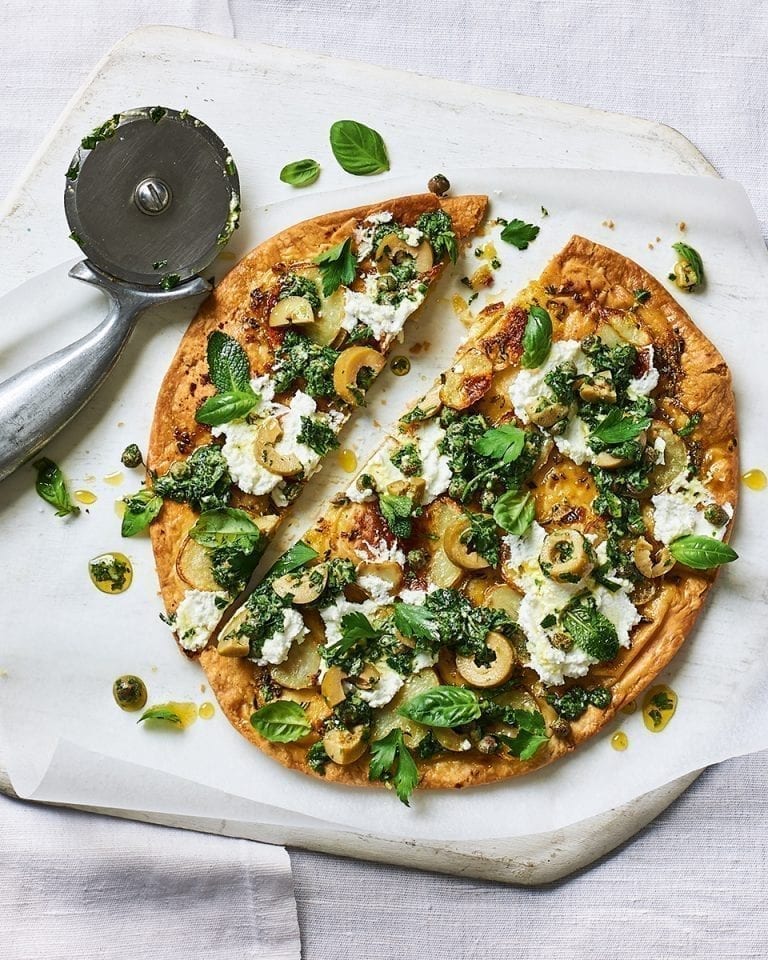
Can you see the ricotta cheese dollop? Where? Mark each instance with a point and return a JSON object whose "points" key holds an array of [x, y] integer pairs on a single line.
{"points": [[197, 616], [680, 512], [385, 319], [276, 648]]}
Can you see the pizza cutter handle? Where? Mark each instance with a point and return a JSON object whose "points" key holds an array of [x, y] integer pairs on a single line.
{"points": [[37, 402]]}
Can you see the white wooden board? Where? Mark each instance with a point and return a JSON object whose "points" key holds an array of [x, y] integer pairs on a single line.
{"points": [[272, 106]]}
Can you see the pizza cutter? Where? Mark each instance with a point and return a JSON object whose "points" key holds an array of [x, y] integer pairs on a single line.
{"points": [[152, 196]]}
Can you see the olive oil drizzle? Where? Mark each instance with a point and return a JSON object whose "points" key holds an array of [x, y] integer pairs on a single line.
{"points": [[755, 480]]}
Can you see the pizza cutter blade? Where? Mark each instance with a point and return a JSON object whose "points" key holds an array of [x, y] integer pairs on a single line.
{"points": [[152, 196]]}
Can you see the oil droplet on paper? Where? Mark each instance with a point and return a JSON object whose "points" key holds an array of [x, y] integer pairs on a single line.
{"points": [[120, 508], [85, 496], [111, 572], [175, 714], [659, 705], [114, 479], [348, 460], [206, 710], [755, 480], [620, 741]]}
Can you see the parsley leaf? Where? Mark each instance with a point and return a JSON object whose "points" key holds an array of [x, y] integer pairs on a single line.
{"points": [[519, 233], [504, 443], [392, 761], [415, 621], [357, 628], [338, 266], [617, 427]]}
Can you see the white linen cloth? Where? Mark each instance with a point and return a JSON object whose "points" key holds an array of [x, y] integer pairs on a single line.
{"points": [[78, 886], [693, 883]]}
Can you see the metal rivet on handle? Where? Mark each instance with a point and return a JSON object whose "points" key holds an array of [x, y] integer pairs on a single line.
{"points": [[152, 196]]}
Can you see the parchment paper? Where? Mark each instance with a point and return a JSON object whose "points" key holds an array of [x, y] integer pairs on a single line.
{"points": [[63, 642]]}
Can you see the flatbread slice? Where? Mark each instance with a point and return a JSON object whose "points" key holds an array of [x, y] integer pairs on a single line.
{"points": [[265, 377], [519, 562]]}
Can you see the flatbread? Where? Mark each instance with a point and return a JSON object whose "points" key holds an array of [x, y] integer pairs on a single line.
{"points": [[236, 310], [585, 285]]}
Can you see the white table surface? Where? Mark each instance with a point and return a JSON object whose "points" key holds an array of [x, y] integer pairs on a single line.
{"points": [[692, 884]]}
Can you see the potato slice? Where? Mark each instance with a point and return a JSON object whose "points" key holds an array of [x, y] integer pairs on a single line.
{"points": [[301, 666], [467, 380], [450, 740], [506, 598], [389, 571], [231, 642], [332, 686], [326, 327], [194, 567], [387, 718], [675, 458]]}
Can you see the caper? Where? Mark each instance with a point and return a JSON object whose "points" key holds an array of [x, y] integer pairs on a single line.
{"points": [[416, 558], [716, 515], [488, 745], [129, 692], [179, 470], [131, 456], [365, 482], [560, 728], [439, 185]]}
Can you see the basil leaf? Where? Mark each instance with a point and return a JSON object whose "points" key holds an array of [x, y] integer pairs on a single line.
{"points": [[337, 265], [618, 428], [357, 628], [140, 510], [297, 556], [515, 512], [224, 407], [358, 149], [415, 621], [391, 761], [589, 629], [693, 259], [281, 721], [227, 527], [51, 487], [160, 713], [702, 553], [228, 364], [504, 443], [537, 339], [442, 707], [300, 173], [519, 233]]}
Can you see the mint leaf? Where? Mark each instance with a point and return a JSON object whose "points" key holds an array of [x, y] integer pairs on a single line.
{"points": [[396, 511], [228, 364], [300, 173], [504, 443], [391, 761], [702, 553], [140, 510], [515, 512], [519, 233], [359, 149], [160, 713], [51, 487], [537, 338], [281, 721], [590, 629], [338, 266], [415, 621], [442, 707]]}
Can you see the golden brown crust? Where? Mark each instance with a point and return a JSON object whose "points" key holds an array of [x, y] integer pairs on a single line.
{"points": [[593, 282], [231, 309]]}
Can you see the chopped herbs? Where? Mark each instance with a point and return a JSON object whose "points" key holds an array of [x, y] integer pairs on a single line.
{"points": [[693, 421], [483, 537], [301, 359], [202, 480], [463, 627], [574, 702], [437, 227], [589, 629], [408, 460], [317, 758], [293, 285], [317, 435], [51, 487], [131, 456]]}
